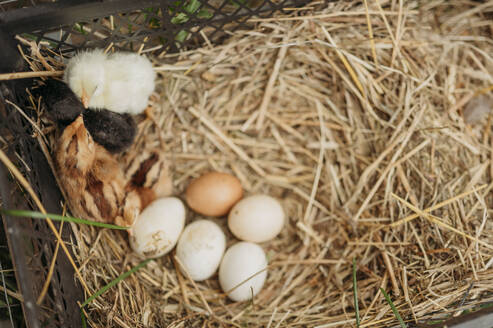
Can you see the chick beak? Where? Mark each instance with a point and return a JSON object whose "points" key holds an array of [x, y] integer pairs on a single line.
{"points": [[84, 98]]}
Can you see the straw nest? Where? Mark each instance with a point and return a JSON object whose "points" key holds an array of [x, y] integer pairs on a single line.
{"points": [[352, 114]]}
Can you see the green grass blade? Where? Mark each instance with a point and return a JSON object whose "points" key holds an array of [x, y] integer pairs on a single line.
{"points": [[83, 319], [394, 309], [355, 294], [79, 27], [115, 281], [56, 217]]}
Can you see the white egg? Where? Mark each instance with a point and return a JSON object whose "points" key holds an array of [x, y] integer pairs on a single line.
{"points": [[200, 249], [158, 227], [244, 267], [256, 218]]}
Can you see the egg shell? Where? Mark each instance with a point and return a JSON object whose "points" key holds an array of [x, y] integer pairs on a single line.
{"points": [[240, 262], [214, 193], [256, 218], [200, 249], [158, 227]]}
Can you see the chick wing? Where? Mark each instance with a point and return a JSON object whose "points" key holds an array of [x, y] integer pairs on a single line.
{"points": [[147, 173]]}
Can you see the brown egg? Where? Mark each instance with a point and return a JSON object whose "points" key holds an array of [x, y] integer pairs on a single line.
{"points": [[214, 193]]}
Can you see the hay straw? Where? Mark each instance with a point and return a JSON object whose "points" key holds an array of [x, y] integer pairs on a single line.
{"points": [[439, 222], [46, 284], [11, 293], [270, 84], [370, 34], [27, 75], [365, 103], [437, 206]]}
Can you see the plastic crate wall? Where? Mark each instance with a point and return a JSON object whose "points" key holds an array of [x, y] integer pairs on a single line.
{"points": [[31, 242]]}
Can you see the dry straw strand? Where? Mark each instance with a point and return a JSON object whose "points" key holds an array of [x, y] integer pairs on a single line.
{"points": [[437, 206], [438, 221], [44, 290], [270, 84]]}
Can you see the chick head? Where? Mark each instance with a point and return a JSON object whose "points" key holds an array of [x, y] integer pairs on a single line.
{"points": [[85, 74]]}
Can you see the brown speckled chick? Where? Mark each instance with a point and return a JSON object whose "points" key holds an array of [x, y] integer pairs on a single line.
{"points": [[100, 186], [92, 179], [146, 172]]}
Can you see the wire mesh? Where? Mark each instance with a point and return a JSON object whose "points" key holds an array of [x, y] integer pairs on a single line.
{"points": [[146, 26]]}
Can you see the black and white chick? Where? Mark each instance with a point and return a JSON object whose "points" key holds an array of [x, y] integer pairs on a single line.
{"points": [[62, 105], [114, 131]]}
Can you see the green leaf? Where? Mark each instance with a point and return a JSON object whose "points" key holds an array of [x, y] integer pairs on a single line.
{"points": [[204, 13], [180, 18], [79, 27], [394, 309], [355, 294], [39, 215], [192, 6], [174, 6], [115, 281], [181, 36], [151, 10], [236, 3], [154, 23]]}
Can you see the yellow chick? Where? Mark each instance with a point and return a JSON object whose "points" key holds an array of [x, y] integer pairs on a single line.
{"points": [[85, 75], [120, 82]]}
